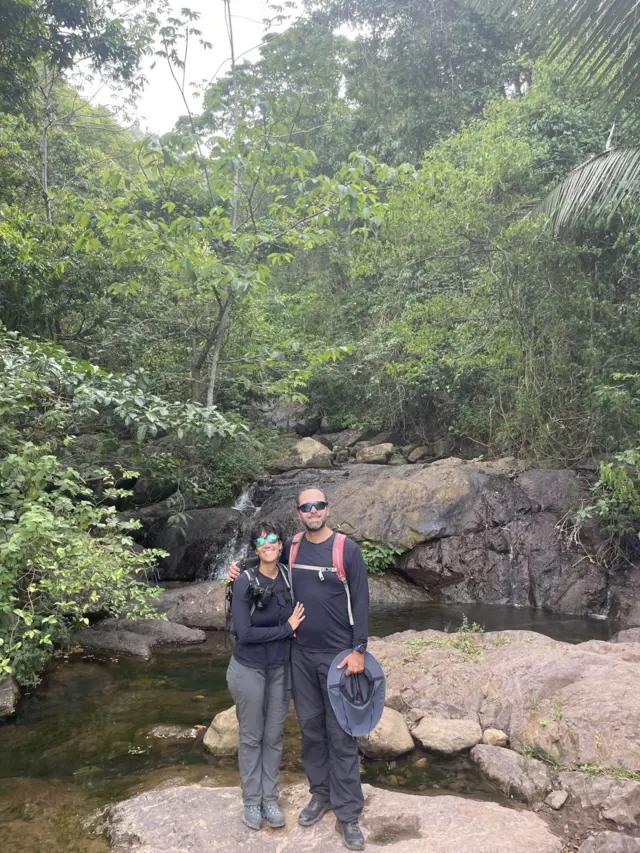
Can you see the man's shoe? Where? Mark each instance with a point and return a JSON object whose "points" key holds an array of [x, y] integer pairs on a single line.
{"points": [[252, 816], [314, 811], [273, 815], [351, 834]]}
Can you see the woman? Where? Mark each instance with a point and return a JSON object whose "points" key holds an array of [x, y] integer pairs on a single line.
{"points": [[258, 675]]}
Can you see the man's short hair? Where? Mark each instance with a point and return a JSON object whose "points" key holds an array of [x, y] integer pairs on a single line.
{"points": [[308, 489]]}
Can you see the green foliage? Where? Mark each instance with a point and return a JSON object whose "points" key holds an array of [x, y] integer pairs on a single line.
{"points": [[63, 553], [225, 467], [379, 556], [616, 496], [467, 627], [111, 36]]}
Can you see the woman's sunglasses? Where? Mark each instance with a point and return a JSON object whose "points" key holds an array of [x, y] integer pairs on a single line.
{"points": [[319, 505], [271, 538]]}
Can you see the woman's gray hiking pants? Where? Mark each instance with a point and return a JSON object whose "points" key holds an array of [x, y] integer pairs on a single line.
{"points": [[262, 700]]}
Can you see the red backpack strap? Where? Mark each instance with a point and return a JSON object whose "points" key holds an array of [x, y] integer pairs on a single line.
{"points": [[293, 550], [337, 559]]}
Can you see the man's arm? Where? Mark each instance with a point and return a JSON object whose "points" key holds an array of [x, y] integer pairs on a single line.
{"points": [[358, 581]]}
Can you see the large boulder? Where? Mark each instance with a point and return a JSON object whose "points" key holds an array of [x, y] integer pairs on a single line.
{"points": [[221, 738], [390, 591], [9, 695], [447, 737], [552, 491], [525, 779], [471, 531], [199, 605], [610, 842], [390, 738], [539, 691], [194, 818], [609, 797], [404, 505], [160, 631], [307, 453], [375, 454], [109, 643], [193, 543]]}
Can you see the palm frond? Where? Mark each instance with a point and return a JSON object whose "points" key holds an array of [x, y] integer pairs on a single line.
{"points": [[593, 189], [602, 37]]}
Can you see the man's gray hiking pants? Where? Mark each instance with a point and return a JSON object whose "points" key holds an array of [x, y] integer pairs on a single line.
{"points": [[329, 754], [262, 700]]}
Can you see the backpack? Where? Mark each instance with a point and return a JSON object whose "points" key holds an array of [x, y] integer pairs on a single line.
{"points": [[337, 564], [251, 571]]}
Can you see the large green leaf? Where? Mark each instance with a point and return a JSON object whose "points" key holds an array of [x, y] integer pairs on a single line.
{"points": [[594, 188]]}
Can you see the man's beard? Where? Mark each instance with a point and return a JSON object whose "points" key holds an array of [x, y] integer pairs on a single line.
{"points": [[314, 523]]}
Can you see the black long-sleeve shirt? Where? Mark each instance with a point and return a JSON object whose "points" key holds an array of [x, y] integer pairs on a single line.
{"points": [[263, 635], [326, 625]]}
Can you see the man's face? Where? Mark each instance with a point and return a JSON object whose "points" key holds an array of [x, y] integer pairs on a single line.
{"points": [[315, 519]]}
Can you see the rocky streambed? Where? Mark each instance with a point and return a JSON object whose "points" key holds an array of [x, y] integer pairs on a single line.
{"points": [[130, 734]]}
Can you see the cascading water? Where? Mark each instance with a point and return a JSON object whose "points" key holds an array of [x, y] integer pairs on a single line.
{"points": [[236, 547]]}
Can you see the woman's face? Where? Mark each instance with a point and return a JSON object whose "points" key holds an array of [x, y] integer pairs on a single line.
{"points": [[268, 551]]}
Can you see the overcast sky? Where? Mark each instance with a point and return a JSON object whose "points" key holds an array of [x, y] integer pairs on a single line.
{"points": [[161, 103]]}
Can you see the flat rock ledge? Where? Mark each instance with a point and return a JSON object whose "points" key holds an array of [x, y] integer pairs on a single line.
{"points": [[194, 819], [137, 639]]}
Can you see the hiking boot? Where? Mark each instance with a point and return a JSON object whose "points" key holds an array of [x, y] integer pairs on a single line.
{"points": [[314, 811], [351, 834], [252, 816], [273, 815]]}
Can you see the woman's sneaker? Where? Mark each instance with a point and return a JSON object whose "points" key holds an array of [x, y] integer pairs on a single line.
{"points": [[273, 815], [252, 816]]}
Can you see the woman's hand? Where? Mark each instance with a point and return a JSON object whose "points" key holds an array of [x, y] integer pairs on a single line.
{"points": [[297, 616]]}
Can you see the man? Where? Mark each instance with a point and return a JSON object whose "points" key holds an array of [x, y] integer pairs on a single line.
{"points": [[329, 754]]}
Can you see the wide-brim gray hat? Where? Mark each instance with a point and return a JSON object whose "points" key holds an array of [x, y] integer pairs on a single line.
{"points": [[357, 700]]}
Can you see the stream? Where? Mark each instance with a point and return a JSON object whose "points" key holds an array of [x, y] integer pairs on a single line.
{"points": [[81, 739]]}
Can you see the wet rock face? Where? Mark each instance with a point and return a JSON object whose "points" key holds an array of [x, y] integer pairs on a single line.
{"points": [[471, 532], [576, 705], [193, 819], [193, 544], [9, 695]]}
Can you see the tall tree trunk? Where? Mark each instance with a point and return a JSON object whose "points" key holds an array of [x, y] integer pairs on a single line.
{"points": [[215, 356], [44, 169], [196, 372]]}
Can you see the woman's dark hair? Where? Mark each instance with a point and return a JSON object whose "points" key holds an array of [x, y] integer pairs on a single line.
{"points": [[264, 528]]}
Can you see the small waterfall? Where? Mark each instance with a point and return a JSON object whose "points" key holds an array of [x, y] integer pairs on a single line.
{"points": [[236, 547], [233, 550], [244, 501]]}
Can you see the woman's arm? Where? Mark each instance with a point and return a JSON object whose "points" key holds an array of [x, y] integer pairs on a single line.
{"points": [[241, 612]]}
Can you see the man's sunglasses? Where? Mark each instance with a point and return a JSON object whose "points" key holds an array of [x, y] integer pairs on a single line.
{"points": [[319, 505], [271, 538]]}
